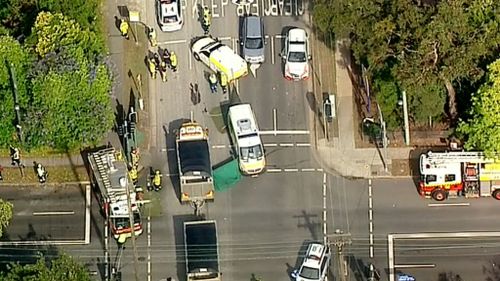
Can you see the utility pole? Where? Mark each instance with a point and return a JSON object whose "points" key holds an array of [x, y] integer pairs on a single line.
{"points": [[405, 113], [17, 108], [339, 240]]}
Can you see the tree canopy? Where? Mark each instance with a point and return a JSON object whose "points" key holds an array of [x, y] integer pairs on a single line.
{"points": [[5, 214], [431, 49], [482, 130], [64, 268], [63, 85]]}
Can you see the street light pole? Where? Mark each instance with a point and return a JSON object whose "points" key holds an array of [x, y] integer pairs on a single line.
{"points": [[405, 113]]}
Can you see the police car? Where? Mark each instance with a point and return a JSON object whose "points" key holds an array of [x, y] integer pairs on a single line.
{"points": [[315, 264]]}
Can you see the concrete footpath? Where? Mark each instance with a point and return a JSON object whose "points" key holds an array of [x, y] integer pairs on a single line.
{"points": [[334, 141]]}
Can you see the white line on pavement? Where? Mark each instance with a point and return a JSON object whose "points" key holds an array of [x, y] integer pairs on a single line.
{"points": [[225, 38], [325, 235], [430, 265], [291, 170], [284, 132], [87, 214], [54, 213], [370, 217], [149, 248], [390, 256], [173, 42], [286, 144], [270, 144], [303, 144], [275, 121], [279, 36], [274, 170], [42, 243], [219, 146], [308, 170], [272, 49], [447, 204]]}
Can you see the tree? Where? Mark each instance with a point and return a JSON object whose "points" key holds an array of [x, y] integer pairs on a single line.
{"points": [[482, 130], [5, 214], [63, 268], [432, 46], [70, 105]]}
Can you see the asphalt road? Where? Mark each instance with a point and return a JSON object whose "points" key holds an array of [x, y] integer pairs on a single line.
{"points": [[45, 213]]}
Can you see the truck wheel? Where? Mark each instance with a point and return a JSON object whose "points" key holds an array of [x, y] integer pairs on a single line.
{"points": [[196, 56], [496, 194], [438, 194]]}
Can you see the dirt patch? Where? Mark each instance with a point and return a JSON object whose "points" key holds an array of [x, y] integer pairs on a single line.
{"points": [[57, 174]]}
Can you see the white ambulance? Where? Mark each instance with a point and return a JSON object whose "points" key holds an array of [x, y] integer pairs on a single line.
{"points": [[219, 57], [246, 139]]}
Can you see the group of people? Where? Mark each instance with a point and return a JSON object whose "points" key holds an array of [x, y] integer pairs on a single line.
{"points": [[155, 178], [15, 156], [161, 63], [213, 80]]}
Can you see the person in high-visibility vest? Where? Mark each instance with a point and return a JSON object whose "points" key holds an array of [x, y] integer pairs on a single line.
{"points": [[212, 79], [157, 180], [152, 36], [152, 67], [124, 28], [122, 238], [134, 155], [133, 174], [173, 61], [223, 82], [207, 19]]}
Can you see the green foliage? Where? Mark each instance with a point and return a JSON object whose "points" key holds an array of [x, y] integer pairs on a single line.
{"points": [[64, 268], [12, 57], [322, 15], [483, 128], [388, 97], [431, 49], [52, 32], [84, 12], [5, 214]]}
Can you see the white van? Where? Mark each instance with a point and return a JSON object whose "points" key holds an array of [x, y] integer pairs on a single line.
{"points": [[246, 139], [219, 57]]}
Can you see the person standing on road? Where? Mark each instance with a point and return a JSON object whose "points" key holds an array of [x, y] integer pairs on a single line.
{"points": [[41, 173], [152, 36], [207, 19], [212, 79], [173, 61], [152, 67], [124, 28]]}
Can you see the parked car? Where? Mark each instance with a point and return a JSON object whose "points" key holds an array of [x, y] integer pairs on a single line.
{"points": [[315, 265], [296, 55], [169, 14], [252, 39]]}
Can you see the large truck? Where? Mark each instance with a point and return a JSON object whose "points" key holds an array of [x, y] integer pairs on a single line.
{"points": [[452, 174], [114, 188], [195, 168], [202, 251]]}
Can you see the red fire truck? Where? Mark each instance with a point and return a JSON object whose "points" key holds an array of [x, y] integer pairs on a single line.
{"points": [[115, 191], [452, 174]]}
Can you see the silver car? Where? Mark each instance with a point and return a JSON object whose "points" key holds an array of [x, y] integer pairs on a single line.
{"points": [[252, 39]]}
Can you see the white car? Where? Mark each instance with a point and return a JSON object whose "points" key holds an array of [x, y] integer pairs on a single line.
{"points": [[169, 14], [296, 55], [315, 264]]}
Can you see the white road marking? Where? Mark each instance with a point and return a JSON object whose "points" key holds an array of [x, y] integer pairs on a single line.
{"points": [[275, 121], [219, 146], [270, 145], [430, 265], [325, 235], [291, 170], [308, 170], [274, 170], [370, 217], [303, 144], [54, 213], [284, 132], [423, 235], [286, 144], [42, 243], [149, 248], [88, 201], [447, 204], [272, 50], [227, 38], [279, 36], [171, 42]]}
